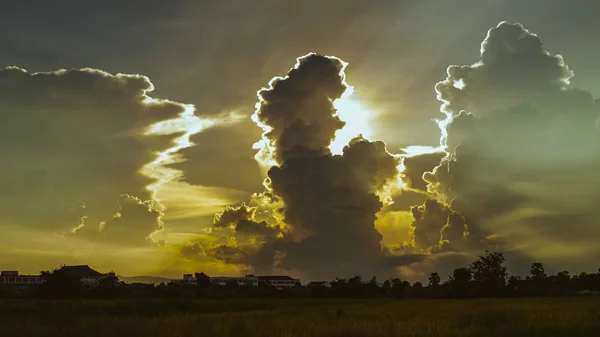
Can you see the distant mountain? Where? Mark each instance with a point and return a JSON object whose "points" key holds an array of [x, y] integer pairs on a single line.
{"points": [[144, 279]]}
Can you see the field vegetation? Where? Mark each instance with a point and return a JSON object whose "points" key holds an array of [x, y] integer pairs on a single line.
{"points": [[564, 317]]}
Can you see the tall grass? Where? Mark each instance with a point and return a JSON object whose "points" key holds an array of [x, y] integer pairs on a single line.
{"points": [[564, 317]]}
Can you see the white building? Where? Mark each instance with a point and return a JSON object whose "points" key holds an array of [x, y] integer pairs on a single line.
{"points": [[279, 282], [13, 277], [189, 278], [250, 280]]}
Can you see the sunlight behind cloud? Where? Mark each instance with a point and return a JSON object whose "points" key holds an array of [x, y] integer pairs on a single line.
{"points": [[357, 117], [188, 124], [415, 150], [460, 84]]}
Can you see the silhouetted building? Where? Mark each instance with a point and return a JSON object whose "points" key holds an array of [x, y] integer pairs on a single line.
{"points": [[249, 280], [14, 278], [279, 282], [86, 275]]}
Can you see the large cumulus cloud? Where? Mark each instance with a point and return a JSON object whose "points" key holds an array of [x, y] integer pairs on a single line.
{"points": [[435, 224], [523, 146], [73, 143], [327, 203]]}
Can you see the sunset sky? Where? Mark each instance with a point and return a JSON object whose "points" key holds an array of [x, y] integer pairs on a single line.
{"points": [[136, 136]]}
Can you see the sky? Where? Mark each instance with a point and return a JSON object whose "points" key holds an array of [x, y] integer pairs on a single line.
{"points": [[318, 139]]}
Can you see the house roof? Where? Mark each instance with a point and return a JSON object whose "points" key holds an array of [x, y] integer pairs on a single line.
{"points": [[275, 278], [82, 271]]}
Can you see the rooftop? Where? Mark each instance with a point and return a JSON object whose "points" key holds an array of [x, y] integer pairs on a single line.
{"points": [[81, 271]]}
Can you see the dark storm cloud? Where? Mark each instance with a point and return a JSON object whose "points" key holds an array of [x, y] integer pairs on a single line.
{"points": [[462, 127], [232, 215], [223, 252], [416, 166], [239, 237], [434, 222], [523, 145], [298, 110], [242, 220], [73, 143], [338, 207], [331, 199]]}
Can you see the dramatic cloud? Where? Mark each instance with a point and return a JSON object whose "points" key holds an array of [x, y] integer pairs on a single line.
{"points": [[416, 166], [435, 223], [220, 159], [73, 143], [135, 221], [243, 220], [523, 147], [297, 111], [327, 203]]}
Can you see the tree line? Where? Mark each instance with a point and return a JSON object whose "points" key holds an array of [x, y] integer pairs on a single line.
{"points": [[485, 277]]}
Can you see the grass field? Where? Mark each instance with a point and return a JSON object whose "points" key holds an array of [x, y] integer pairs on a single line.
{"points": [[565, 317]]}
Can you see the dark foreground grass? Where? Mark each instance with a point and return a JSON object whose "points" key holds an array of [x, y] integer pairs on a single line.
{"points": [[564, 317]]}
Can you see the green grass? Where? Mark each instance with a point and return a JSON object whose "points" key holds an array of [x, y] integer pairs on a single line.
{"points": [[564, 317]]}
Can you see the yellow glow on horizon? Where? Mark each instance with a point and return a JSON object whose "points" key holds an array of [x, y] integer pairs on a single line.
{"points": [[357, 117]]}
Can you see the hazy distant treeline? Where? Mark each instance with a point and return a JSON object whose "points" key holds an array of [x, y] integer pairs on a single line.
{"points": [[485, 277]]}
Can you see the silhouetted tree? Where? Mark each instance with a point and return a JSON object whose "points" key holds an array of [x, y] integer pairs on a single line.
{"points": [[560, 283], [399, 287], [371, 289], [489, 274], [417, 290], [537, 284], [513, 286], [434, 279], [538, 272], [386, 288], [60, 283], [110, 280], [203, 286], [434, 290], [460, 280]]}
